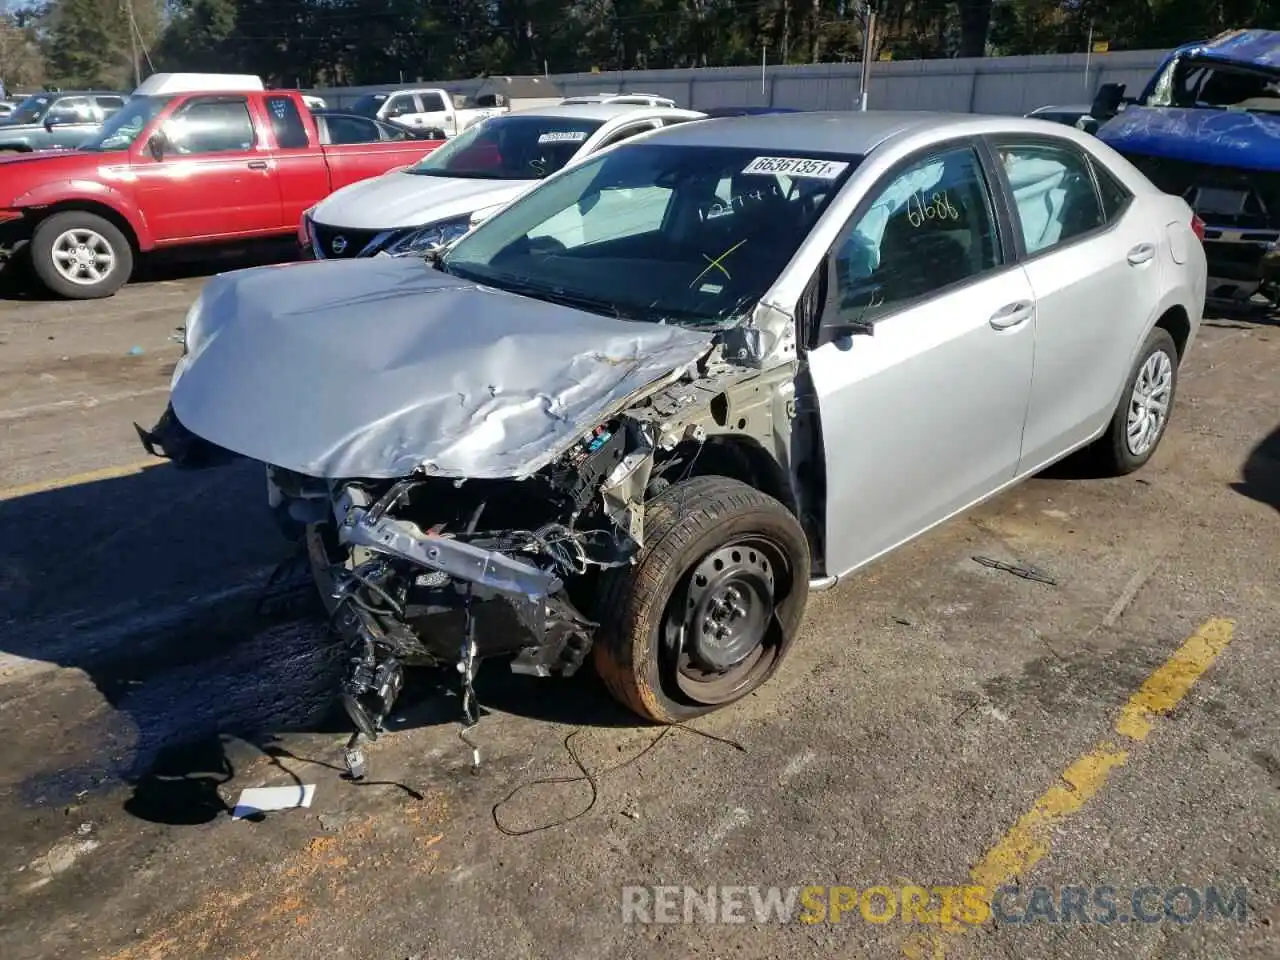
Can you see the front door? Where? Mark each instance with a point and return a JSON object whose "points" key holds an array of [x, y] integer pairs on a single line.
{"points": [[1095, 268], [924, 416], [215, 178]]}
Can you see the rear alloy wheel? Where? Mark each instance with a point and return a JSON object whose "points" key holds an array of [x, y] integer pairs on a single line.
{"points": [[80, 255], [712, 606], [1141, 419]]}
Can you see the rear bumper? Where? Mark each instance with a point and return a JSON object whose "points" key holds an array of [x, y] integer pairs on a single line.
{"points": [[1241, 262]]}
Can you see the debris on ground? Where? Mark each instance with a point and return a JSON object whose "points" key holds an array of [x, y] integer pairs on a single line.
{"points": [[1027, 573], [255, 801]]}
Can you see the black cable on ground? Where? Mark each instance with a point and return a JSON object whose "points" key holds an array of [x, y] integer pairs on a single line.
{"points": [[592, 779]]}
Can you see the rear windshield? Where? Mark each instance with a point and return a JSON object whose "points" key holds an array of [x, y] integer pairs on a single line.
{"points": [[509, 148]]}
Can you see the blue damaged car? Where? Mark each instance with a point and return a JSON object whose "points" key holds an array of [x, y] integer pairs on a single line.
{"points": [[1207, 128]]}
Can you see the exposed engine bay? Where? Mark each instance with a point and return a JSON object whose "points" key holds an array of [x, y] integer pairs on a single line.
{"points": [[439, 571]]}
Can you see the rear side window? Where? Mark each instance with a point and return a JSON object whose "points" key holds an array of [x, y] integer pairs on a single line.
{"points": [[1115, 195], [1053, 193], [286, 123], [432, 102]]}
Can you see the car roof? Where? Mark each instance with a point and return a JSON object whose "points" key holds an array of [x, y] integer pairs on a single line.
{"points": [[75, 93], [1065, 108], [1258, 48], [832, 131], [848, 132], [602, 112]]}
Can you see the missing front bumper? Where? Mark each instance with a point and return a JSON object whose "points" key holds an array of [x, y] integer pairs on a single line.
{"points": [[554, 636], [170, 440]]}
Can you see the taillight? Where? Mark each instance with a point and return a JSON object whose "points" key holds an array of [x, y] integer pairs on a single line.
{"points": [[1197, 227]]}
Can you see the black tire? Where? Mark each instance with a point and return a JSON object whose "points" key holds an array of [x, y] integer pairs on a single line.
{"points": [[46, 235], [687, 525], [1113, 453]]}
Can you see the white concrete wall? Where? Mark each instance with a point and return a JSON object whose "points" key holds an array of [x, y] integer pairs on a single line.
{"points": [[1003, 85]]}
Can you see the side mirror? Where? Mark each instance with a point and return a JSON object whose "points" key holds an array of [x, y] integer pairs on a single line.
{"points": [[155, 146], [1106, 104], [851, 309]]}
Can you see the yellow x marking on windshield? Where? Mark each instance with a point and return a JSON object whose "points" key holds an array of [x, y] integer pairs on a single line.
{"points": [[717, 263]]}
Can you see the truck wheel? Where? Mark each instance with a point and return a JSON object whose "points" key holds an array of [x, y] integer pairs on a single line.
{"points": [[1140, 421], [712, 605], [80, 255]]}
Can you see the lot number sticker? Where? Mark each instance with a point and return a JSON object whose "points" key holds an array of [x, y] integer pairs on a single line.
{"points": [[563, 136], [797, 167]]}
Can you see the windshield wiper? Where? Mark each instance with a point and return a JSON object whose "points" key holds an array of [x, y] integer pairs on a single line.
{"points": [[540, 291]]}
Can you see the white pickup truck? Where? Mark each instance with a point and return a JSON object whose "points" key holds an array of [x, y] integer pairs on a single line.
{"points": [[425, 108]]}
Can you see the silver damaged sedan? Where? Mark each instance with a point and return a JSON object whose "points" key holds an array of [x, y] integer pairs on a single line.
{"points": [[638, 415]]}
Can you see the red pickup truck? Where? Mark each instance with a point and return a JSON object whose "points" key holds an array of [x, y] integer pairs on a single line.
{"points": [[225, 161]]}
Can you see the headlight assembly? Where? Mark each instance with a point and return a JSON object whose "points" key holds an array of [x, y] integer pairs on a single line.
{"points": [[418, 241]]}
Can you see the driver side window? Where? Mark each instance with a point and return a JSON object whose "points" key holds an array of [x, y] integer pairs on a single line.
{"points": [[929, 227], [70, 110]]}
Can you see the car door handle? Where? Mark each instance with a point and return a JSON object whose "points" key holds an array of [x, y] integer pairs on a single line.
{"points": [[1012, 314], [258, 164], [1142, 253]]}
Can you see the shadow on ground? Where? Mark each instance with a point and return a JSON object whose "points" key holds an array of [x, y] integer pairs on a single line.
{"points": [[1260, 474], [1240, 317], [16, 282], [150, 585]]}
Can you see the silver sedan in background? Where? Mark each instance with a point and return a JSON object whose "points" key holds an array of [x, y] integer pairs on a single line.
{"points": [[646, 408]]}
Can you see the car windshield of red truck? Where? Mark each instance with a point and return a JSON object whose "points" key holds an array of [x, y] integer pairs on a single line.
{"points": [[125, 125], [509, 147]]}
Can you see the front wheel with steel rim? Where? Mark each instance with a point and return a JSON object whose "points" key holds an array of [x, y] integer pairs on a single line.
{"points": [[80, 255], [1141, 419], [712, 605]]}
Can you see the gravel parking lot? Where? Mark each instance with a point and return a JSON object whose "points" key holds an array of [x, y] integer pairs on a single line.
{"points": [[942, 723]]}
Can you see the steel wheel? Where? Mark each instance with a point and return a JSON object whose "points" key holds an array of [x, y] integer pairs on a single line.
{"points": [[82, 256], [718, 633], [1149, 404]]}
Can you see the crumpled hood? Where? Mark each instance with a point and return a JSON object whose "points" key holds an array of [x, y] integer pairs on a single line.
{"points": [[376, 367], [1229, 138], [397, 200]]}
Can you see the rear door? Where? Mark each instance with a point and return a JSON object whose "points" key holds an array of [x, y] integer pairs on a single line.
{"points": [[1095, 273], [434, 111], [215, 177], [924, 416], [301, 175]]}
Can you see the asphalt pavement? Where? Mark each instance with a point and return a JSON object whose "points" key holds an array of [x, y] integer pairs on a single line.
{"points": [[941, 724]]}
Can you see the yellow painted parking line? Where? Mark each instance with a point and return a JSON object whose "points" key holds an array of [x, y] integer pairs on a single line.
{"points": [[91, 476], [1028, 840]]}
